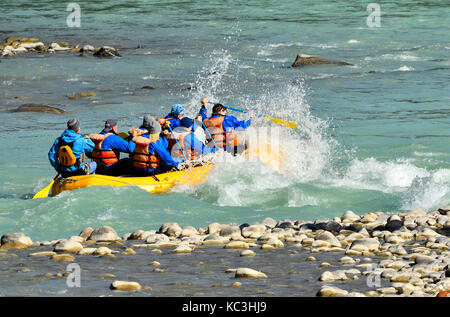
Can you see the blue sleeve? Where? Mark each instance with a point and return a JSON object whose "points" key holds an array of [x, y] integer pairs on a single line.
{"points": [[117, 143], [53, 156], [203, 113], [233, 123], [191, 142], [88, 145], [165, 155]]}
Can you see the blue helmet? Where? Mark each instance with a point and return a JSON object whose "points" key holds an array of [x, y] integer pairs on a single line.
{"points": [[177, 109]]}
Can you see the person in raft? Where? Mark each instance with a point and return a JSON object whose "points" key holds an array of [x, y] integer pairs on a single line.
{"points": [[193, 148], [150, 154], [220, 126], [175, 115], [108, 146], [68, 152]]}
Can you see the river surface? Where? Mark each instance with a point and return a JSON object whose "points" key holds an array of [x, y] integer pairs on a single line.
{"points": [[372, 136]]}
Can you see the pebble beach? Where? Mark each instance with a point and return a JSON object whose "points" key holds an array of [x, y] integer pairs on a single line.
{"points": [[370, 255]]}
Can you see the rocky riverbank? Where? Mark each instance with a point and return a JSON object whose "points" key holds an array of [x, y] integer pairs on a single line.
{"points": [[371, 255]]}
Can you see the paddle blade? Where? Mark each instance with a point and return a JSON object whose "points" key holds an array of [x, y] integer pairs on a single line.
{"points": [[43, 193], [284, 123]]}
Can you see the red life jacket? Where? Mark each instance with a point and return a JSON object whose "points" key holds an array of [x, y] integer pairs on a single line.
{"points": [[108, 157], [223, 139], [141, 157]]}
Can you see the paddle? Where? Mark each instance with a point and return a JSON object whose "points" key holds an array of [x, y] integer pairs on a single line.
{"points": [[282, 122], [182, 152], [43, 193]]}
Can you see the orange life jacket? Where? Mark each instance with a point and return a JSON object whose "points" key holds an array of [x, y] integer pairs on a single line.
{"points": [[141, 157], [108, 157], [189, 152], [223, 139]]}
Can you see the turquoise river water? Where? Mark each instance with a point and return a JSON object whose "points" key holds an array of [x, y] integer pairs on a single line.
{"points": [[373, 136]]}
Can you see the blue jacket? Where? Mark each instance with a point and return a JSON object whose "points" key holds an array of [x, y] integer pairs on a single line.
{"points": [[229, 122], [116, 143], [174, 122], [160, 147], [80, 147], [191, 142]]}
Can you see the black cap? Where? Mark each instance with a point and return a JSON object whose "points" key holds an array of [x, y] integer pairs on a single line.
{"points": [[109, 124]]}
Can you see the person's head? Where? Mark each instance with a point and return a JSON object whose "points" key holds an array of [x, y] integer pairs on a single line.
{"points": [[177, 111], [186, 123], [110, 126], [151, 125], [74, 124], [219, 109]]}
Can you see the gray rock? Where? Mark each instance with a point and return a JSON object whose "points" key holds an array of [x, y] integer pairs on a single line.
{"points": [[444, 210], [367, 244], [328, 237], [107, 51], [172, 229], [306, 60], [16, 240], [228, 231], [394, 223], [32, 107], [104, 233], [269, 222], [349, 216]]}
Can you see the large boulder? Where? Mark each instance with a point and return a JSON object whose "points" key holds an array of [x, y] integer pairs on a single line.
{"points": [[306, 60], [107, 51], [171, 229], [68, 246], [104, 233], [368, 244], [328, 237], [16, 240], [32, 107]]}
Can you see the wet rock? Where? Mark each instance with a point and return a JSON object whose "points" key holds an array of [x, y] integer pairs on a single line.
{"points": [[80, 95], [253, 231], [269, 222], [16, 240], [188, 231], [332, 226], [102, 251], [249, 273], [329, 276], [182, 249], [58, 48], [171, 229], [32, 107], [104, 233], [68, 246], [236, 245], [86, 233], [328, 237], [424, 233], [63, 257], [87, 251], [107, 51], [444, 210], [349, 217], [87, 49], [397, 250], [247, 253], [394, 223], [147, 87], [43, 253], [306, 60], [367, 244], [416, 213], [330, 291], [125, 286], [229, 231], [346, 260], [285, 224], [157, 238]]}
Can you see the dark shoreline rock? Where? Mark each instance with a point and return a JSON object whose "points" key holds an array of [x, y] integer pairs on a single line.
{"points": [[32, 107], [308, 60]]}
